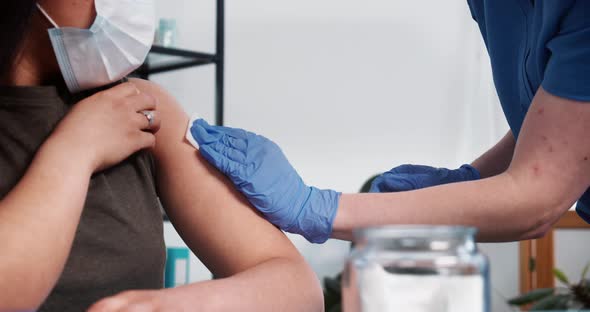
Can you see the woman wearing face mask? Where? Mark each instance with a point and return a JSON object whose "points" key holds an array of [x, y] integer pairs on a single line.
{"points": [[81, 172], [540, 56]]}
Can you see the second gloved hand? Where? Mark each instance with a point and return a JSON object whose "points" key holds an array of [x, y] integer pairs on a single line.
{"points": [[259, 169], [413, 177]]}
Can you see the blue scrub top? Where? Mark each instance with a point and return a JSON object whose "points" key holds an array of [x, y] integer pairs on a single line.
{"points": [[537, 43]]}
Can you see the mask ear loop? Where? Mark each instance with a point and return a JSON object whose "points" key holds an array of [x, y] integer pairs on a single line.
{"points": [[47, 16]]}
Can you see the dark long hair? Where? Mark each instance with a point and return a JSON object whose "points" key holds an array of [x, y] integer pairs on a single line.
{"points": [[15, 16]]}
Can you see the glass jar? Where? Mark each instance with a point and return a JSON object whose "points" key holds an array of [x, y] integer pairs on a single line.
{"points": [[416, 269]]}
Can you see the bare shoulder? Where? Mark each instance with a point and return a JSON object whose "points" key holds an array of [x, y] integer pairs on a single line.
{"points": [[176, 159], [167, 104], [174, 118]]}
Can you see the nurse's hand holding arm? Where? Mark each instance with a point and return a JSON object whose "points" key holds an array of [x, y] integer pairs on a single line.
{"points": [[256, 165], [550, 170], [232, 149], [260, 170]]}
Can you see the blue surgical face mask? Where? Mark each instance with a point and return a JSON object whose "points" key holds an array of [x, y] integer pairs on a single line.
{"points": [[115, 45]]}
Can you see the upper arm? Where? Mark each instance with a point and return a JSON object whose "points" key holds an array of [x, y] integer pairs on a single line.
{"points": [[215, 220], [552, 157], [553, 149]]}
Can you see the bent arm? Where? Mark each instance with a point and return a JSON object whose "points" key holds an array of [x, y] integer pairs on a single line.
{"points": [[549, 172], [258, 267], [38, 221], [497, 159]]}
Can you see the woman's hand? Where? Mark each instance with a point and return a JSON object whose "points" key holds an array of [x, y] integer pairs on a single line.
{"points": [[108, 127], [259, 169]]}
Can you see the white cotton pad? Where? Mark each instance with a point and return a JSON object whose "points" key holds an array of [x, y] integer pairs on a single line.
{"points": [[189, 136]]}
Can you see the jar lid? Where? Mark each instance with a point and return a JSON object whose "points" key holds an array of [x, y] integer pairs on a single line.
{"points": [[401, 231]]}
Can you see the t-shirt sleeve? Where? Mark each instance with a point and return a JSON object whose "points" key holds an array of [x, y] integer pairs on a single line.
{"points": [[567, 73], [471, 9]]}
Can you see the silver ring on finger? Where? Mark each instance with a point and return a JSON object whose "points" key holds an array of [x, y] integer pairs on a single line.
{"points": [[149, 115]]}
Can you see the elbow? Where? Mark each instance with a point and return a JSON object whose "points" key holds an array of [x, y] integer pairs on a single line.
{"points": [[316, 299], [537, 233], [540, 203], [540, 220], [309, 295], [313, 296], [297, 287]]}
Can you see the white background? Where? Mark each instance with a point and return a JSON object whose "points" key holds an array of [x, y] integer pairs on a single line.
{"points": [[350, 88]]}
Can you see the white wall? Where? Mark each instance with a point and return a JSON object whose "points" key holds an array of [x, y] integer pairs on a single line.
{"points": [[349, 88], [571, 254]]}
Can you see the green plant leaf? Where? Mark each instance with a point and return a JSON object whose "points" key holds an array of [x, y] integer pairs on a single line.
{"points": [[551, 303], [561, 276], [532, 296]]}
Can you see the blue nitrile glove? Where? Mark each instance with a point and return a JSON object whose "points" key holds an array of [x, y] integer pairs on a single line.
{"points": [[413, 177], [260, 170]]}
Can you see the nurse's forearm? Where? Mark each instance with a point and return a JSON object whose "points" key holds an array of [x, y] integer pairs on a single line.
{"points": [[38, 220], [500, 207], [493, 162], [549, 172], [497, 159], [279, 284]]}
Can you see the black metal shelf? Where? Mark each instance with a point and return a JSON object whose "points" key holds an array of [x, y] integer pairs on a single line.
{"points": [[184, 59], [187, 59], [183, 53]]}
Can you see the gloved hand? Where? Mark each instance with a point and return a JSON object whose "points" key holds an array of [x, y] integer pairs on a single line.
{"points": [[259, 169], [413, 177]]}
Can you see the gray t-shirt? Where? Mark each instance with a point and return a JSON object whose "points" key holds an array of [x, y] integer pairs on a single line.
{"points": [[119, 242]]}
